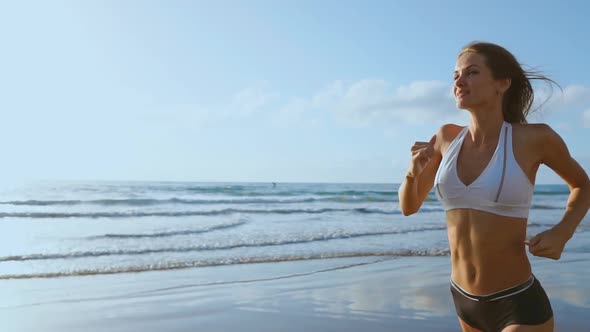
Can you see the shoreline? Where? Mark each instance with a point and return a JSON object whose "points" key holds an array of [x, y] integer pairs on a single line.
{"points": [[339, 294]]}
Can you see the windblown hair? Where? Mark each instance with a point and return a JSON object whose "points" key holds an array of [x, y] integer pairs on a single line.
{"points": [[519, 97]]}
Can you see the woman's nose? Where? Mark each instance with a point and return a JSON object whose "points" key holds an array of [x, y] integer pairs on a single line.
{"points": [[460, 81]]}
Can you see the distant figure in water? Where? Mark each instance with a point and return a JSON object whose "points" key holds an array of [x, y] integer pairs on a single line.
{"points": [[484, 176], [274, 184]]}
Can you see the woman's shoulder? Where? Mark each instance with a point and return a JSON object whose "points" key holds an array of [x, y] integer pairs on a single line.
{"points": [[537, 133], [536, 140], [445, 135], [530, 126], [449, 131]]}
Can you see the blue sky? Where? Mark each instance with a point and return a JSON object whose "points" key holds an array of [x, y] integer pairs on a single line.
{"points": [[285, 91]]}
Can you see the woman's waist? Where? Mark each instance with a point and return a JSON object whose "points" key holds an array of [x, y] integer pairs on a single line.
{"points": [[490, 271], [478, 233], [496, 295]]}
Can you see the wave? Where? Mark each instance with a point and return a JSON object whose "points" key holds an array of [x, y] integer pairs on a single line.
{"points": [[243, 190], [211, 283], [547, 207], [536, 224], [189, 213], [227, 211], [252, 196], [277, 242], [183, 201], [349, 196], [167, 234], [551, 192], [287, 191], [249, 191], [227, 261], [582, 227]]}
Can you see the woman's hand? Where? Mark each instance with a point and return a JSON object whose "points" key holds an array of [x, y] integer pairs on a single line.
{"points": [[549, 243], [422, 152]]}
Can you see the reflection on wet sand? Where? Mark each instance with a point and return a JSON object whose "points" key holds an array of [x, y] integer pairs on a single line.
{"points": [[394, 294], [406, 292]]}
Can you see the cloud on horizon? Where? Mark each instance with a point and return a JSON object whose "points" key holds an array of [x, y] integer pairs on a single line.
{"points": [[375, 101], [370, 101], [365, 103]]}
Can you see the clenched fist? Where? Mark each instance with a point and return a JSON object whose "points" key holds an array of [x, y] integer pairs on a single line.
{"points": [[422, 152]]}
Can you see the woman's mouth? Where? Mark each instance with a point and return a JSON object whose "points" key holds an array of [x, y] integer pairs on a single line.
{"points": [[461, 94]]}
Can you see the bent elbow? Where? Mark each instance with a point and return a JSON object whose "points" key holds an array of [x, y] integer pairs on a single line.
{"points": [[406, 211]]}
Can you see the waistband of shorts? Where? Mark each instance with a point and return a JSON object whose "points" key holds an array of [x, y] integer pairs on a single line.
{"points": [[496, 295]]}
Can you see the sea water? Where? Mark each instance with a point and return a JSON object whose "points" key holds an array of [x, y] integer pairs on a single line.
{"points": [[56, 229]]}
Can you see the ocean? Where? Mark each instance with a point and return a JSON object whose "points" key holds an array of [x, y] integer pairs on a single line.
{"points": [[59, 229]]}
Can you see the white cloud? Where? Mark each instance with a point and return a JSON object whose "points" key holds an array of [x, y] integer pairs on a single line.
{"points": [[576, 96], [563, 108], [328, 95], [370, 101], [573, 98], [251, 100], [292, 112], [367, 102]]}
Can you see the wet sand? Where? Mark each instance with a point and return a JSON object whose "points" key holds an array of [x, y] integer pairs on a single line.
{"points": [[372, 294]]}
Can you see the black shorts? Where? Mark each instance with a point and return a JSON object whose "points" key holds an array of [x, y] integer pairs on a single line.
{"points": [[525, 304]]}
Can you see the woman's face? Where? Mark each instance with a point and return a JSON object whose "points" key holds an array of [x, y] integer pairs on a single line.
{"points": [[474, 84]]}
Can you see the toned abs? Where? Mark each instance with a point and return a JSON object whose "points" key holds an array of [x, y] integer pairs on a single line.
{"points": [[488, 251]]}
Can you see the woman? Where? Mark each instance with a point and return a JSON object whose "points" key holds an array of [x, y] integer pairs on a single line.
{"points": [[484, 176]]}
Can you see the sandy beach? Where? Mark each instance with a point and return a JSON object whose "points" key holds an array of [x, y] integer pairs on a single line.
{"points": [[352, 294]]}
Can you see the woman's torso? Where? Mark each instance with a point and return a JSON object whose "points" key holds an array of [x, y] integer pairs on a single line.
{"points": [[487, 244]]}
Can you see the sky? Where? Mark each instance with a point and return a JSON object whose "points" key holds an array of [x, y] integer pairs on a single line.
{"points": [[262, 91]]}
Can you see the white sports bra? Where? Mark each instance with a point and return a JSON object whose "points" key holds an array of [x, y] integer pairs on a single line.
{"points": [[502, 188]]}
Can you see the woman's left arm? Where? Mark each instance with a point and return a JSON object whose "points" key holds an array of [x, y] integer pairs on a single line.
{"points": [[554, 153]]}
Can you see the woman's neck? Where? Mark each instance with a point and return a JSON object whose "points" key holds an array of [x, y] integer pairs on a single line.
{"points": [[485, 126]]}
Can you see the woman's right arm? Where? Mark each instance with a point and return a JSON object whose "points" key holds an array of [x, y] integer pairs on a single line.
{"points": [[419, 179]]}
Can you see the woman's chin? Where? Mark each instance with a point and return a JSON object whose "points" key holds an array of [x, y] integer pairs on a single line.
{"points": [[461, 105], [464, 104]]}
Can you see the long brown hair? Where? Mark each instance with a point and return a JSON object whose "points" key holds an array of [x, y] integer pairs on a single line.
{"points": [[519, 97]]}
